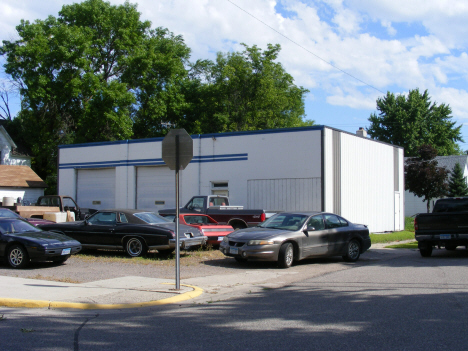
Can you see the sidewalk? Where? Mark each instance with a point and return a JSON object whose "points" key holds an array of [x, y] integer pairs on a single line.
{"points": [[125, 292]]}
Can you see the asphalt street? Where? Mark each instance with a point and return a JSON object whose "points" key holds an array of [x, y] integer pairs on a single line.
{"points": [[391, 300]]}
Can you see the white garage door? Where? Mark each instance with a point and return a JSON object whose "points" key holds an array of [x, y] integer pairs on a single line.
{"points": [[290, 194], [96, 188], [155, 188]]}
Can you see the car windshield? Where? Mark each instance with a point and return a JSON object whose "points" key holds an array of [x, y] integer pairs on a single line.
{"points": [[151, 218], [287, 221], [17, 226], [8, 214]]}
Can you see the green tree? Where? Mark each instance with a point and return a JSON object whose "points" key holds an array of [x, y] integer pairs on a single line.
{"points": [[245, 90], [423, 176], [457, 183], [411, 121], [94, 73]]}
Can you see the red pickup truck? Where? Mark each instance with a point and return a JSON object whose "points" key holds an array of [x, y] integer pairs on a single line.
{"points": [[218, 208]]}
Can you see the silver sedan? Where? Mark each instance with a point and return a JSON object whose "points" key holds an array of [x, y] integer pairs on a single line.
{"points": [[292, 236]]}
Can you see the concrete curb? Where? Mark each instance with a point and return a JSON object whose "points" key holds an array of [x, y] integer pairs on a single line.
{"points": [[24, 303]]}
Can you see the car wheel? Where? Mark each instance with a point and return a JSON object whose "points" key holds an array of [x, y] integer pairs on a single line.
{"points": [[135, 247], [353, 251], [166, 252], [60, 260], [425, 250], [450, 247], [286, 255], [17, 256]]}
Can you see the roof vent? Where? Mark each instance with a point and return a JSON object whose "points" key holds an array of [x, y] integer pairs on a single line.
{"points": [[362, 132]]}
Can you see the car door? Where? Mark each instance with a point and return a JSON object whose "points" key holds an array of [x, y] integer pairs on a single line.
{"points": [[338, 233], [100, 229], [315, 240]]}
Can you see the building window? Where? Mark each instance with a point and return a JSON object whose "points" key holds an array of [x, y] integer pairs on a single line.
{"points": [[220, 188]]}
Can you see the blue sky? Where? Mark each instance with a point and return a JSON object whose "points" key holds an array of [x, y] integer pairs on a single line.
{"points": [[347, 53]]}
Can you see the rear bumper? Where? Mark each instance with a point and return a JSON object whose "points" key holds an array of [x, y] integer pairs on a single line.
{"points": [[443, 239]]}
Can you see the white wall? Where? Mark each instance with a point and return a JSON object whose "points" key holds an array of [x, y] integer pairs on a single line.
{"points": [[27, 194], [281, 157]]}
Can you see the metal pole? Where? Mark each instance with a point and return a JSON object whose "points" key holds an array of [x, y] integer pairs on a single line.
{"points": [[177, 216]]}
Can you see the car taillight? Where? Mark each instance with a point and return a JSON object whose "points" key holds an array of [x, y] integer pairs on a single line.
{"points": [[415, 224], [263, 217]]}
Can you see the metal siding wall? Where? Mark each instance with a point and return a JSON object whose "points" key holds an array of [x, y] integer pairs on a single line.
{"points": [[293, 194], [367, 182], [327, 181], [337, 172]]}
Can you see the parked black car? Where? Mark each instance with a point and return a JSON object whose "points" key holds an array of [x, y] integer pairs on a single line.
{"points": [[135, 231], [5, 212], [287, 237], [21, 242]]}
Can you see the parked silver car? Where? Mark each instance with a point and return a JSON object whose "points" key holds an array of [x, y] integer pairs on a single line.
{"points": [[287, 237]]}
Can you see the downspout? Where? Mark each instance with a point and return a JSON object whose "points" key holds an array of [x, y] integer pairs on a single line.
{"points": [[199, 164]]}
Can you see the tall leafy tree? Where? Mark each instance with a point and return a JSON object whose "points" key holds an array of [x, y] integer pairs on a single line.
{"points": [[97, 72], [423, 176], [457, 183], [245, 90], [413, 120]]}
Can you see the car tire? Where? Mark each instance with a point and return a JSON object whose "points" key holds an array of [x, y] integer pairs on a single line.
{"points": [[286, 255], [353, 251], [450, 247], [425, 249], [166, 252], [17, 256], [135, 247]]}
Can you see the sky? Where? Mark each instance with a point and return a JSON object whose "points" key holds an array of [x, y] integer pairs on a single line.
{"points": [[347, 53]]}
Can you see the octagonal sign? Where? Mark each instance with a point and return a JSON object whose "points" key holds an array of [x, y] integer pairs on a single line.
{"points": [[177, 148]]}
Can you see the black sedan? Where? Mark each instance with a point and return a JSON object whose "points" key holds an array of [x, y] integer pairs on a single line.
{"points": [[21, 242], [288, 237], [135, 231]]}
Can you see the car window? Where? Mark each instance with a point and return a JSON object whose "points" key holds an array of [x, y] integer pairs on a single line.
{"points": [[8, 214], [287, 221], [332, 221], [103, 218], [196, 219], [196, 203], [17, 226], [123, 218], [343, 222], [151, 217], [316, 222]]}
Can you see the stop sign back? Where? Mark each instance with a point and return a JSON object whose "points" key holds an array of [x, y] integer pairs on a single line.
{"points": [[177, 148]]}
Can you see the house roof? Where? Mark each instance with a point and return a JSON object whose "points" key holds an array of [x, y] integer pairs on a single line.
{"points": [[449, 162], [20, 176]]}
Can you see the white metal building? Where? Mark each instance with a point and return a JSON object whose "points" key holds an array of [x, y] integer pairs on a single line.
{"points": [[311, 168]]}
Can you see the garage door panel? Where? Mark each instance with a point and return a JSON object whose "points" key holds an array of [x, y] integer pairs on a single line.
{"points": [[155, 188], [96, 188]]}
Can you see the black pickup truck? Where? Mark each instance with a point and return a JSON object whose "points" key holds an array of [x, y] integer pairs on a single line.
{"points": [[218, 208], [446, 226]]}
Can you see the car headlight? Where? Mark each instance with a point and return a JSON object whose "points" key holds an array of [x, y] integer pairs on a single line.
{"points": [[260, 242], [225, 239]]}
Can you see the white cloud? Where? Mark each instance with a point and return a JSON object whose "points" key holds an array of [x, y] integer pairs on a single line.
{"points": [[319, 33]]}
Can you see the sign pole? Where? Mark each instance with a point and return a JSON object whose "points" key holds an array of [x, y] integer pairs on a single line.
{"points": [[177, 215]]}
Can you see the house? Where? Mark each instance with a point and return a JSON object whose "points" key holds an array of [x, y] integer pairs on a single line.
{"points": [[315, 168], [414, 204], [17, 179]]}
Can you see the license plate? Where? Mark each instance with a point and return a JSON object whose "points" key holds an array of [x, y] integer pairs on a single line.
{"points": [[66, 251], [445, 236], [233, 250]]}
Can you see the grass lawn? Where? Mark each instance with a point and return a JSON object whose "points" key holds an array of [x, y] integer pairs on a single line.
{"points": [[407, 234]]}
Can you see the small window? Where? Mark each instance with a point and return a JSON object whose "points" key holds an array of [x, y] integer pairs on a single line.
{"points": [[123, 218]]}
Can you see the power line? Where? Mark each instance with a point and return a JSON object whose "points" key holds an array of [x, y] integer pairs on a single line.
{"points": [[310, 52]]}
